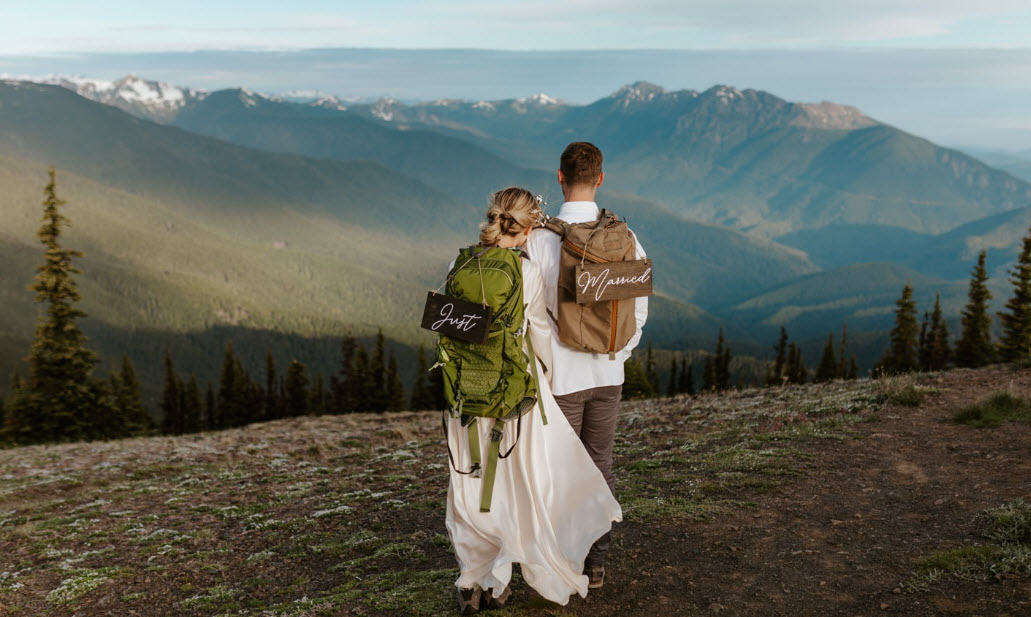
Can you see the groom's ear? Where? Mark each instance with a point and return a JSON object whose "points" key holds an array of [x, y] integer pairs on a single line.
{"points": [[601, 178], [561, 178]]}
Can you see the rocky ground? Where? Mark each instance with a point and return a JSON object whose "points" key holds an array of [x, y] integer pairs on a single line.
{"points": [[818, 500]]}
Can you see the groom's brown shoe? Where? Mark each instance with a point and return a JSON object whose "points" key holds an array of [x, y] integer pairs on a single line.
{"points": [[493, 603], [595, 577]]}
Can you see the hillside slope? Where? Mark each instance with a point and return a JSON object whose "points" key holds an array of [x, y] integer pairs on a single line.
{"points": [[806, 501]]}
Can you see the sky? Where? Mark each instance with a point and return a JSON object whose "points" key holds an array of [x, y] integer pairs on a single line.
{"points": [[58, 26], [955, 71]]}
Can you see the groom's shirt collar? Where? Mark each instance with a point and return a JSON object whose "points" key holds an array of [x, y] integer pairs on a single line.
{"points": [[578, 211]]}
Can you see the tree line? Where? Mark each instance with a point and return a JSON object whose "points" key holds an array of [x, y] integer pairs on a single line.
{"points": [[62, 400]]}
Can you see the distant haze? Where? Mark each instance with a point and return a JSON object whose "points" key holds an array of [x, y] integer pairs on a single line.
{"points": [[975, 98]]}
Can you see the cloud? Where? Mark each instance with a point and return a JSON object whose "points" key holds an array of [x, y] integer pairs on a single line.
{"points": [[746, 21]]}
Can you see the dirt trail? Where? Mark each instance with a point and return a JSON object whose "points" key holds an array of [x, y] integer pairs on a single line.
{"points": [[842, 539]]}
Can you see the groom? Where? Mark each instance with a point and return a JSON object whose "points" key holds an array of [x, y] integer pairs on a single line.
{"points": [[587, 386]]}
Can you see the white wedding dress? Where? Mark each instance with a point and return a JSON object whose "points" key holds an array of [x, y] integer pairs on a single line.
{"points": [[550, 502]]}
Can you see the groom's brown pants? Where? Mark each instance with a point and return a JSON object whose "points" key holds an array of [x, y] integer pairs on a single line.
{"points": [[592, 413]]}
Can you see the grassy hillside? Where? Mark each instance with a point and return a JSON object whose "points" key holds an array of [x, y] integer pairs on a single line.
{"points": [[756, 497]]}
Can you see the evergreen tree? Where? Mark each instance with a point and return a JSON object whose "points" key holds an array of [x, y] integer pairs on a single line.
{"points": [[777, 377], [842, 354], [649, 370], [924, 344], [421, 397], [191, 406], [938, 352], [674, 387], [240, 400], [230, 407], [709, 375], [365, 384], [903, 354], [395, 389], [317, 396], [828, 368], [171, 400], [974, 347], [270, 409], [635, 381], [686, 382], [378, 374], [125, 389], [795, 370], [296, 390], [61, 399], [344, 386], [210, 410], [1015, 342], [853, 369], [721, 363]]}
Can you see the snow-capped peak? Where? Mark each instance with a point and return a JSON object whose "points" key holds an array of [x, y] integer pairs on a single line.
{"points": [[537, 99], [638, 92], [155, 100]]}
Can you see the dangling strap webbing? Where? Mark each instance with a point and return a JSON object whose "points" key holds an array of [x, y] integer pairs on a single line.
{"points": [[535, 377], [493, 453], [474, 448], [450, 455]]}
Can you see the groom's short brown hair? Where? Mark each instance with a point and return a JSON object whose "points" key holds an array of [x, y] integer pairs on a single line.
{"points": [[580, 163]]}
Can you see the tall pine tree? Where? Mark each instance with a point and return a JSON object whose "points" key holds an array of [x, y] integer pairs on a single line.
{"points": [[673, 387], [938, 351], [345, 385], [395, 389], [421, 397], [974, 347], [296, 390], [171, 407], [125, 389], [1015, 342], [778, 374], [60, 400], [828, 368], [903, 354], [649, 370], [721, 363], [686, 381]]}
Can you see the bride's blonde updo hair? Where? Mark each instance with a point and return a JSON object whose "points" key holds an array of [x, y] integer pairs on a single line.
{"points": [[511, 211]]}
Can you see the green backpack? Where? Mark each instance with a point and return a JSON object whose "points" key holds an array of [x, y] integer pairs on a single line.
{"points": [[496, 380]]}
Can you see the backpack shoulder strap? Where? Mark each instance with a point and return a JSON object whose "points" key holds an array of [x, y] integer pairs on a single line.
{"points": [[557, 225]]}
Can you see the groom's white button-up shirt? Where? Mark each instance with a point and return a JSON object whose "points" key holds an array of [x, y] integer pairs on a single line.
{"points": [[578, 370]]}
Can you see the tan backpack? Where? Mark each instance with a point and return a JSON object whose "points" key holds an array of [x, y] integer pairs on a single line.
{"points": [[596, 327]]}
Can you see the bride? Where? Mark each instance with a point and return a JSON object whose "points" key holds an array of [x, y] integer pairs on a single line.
{"points": [[550, 502]]}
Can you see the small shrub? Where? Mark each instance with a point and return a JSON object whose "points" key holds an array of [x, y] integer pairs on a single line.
{"points": [[1007, 527], [1010, 523], [994, 410], [902, 390]]}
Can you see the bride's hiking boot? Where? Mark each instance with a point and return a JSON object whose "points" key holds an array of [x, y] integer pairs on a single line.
{"points": [[492, 603], [595, 577], [469, 600]]}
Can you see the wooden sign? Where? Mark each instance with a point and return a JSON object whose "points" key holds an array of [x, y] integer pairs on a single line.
{"points": [[614, 280], [460, 319]]}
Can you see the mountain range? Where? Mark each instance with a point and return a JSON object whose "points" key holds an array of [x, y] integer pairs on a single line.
{"points": [[235, 212]]}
